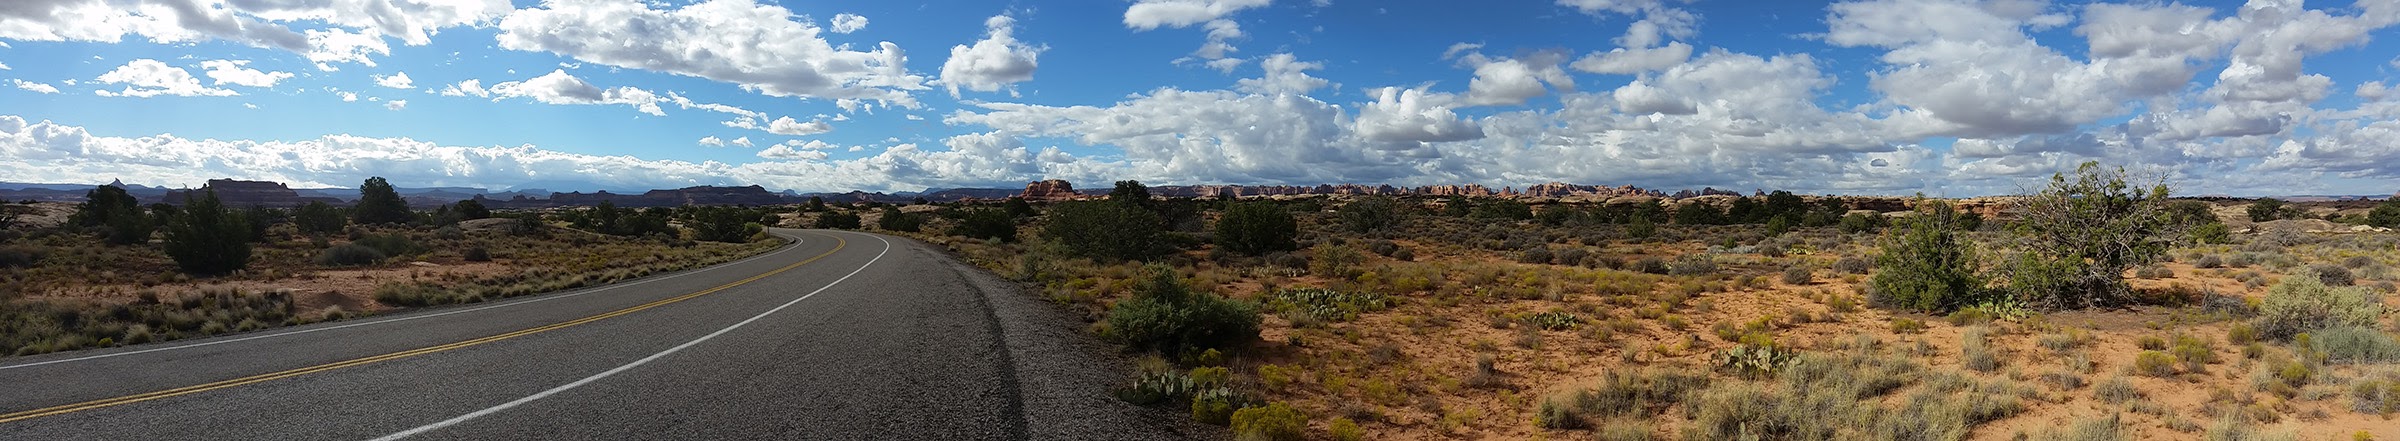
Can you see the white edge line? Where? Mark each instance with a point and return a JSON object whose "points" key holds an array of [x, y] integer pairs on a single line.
{"points": [[887, 248], [796, 241]]}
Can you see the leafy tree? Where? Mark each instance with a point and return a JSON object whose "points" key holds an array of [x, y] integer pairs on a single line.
{"points": [[2386, 214], [2267, 209], [895, 220], [260, 218], [1255, 228], [837, 220], [1370, 214], [816, 203], [2080, 235], [471, 210], [987, 223], [205, 238], [1130, 192], [1925, 265], [117, 213], [1105, 230], [319, 218], [1166, 315], [378, 203]]}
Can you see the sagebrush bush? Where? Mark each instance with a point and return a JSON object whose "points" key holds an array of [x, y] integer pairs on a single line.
{"points": [[1852, 265], [1693, 265], [2354, 344], [2116, 390], [2303, 303], [1273, 422], [476, 254], [2154, 364], [391, 245], [1164, 314], [20, 256], [2332, 275], [349, 254], [1799, 275]]}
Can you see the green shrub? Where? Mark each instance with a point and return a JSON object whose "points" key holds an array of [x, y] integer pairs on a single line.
{"points": [[2267, 209], [1855, 223], [2241, 334], [1926, 265], [895, 220], [391, 245], [2386, 214], [987, 224], [476, 254], [2354, 344], [318, 218], [349, 254], [1370, 214], [1164, 314], [1343, 429], [836, 220], [1106, 230], [2193, 353], [1693, 265], [725, 224], [2154, 364], [2302, 303], [378, 203], [204, 238], [1273, 422], [1254, 228], [2082, 233], [1217, 405]]}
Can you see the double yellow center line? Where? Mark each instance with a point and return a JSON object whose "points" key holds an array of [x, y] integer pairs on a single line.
{"points": [[254, 379]]}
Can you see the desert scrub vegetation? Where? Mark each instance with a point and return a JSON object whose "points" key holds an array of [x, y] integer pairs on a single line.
{"points": [[42, 326], [311, 264], [1167, 316], [1495, 321]]}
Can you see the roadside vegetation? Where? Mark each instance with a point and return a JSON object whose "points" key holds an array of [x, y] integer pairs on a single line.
{"points": [[2101, 307], [115, 272]]}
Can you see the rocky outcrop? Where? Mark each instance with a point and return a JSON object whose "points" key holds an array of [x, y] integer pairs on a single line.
{"points": [[1469, 190], [1561, 190], [701, 195], [234, 193], [1049, 190], [1705, 191]]}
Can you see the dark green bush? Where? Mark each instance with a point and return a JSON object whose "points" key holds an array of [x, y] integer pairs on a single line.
{"points": [[2386, 214], [1926, 266], [476, 254], [895, 220], [1106, 230], [1371, 214], [378, 203], [349, 254], [2267, 209], [318, 218], [837, 220], [725, 224], [987, 224], [1165, 315], [2081, 234], [2333, 275], [1855, 223], [1254, 228], [206, 239]]}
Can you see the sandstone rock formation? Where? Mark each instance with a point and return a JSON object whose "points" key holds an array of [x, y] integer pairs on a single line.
{"points": [[235, 193], [1049, 190]]}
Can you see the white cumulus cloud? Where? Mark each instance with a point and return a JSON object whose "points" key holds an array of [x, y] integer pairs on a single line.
{"points": [[145, 77], [559, 87], [996, 61], [398, 80], [759, 47], [231, 72]]}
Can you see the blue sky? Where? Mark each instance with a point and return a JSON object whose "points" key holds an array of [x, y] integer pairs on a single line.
{"points": [[1944, 97]]}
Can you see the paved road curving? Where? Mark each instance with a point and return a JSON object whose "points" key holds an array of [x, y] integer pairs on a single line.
{"points": [[842, 335]]}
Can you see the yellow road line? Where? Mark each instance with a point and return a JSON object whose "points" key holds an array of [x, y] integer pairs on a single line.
{"points": [[187, 390]]}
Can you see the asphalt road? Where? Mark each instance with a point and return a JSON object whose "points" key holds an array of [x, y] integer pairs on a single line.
{"points": [[841, 335]]}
